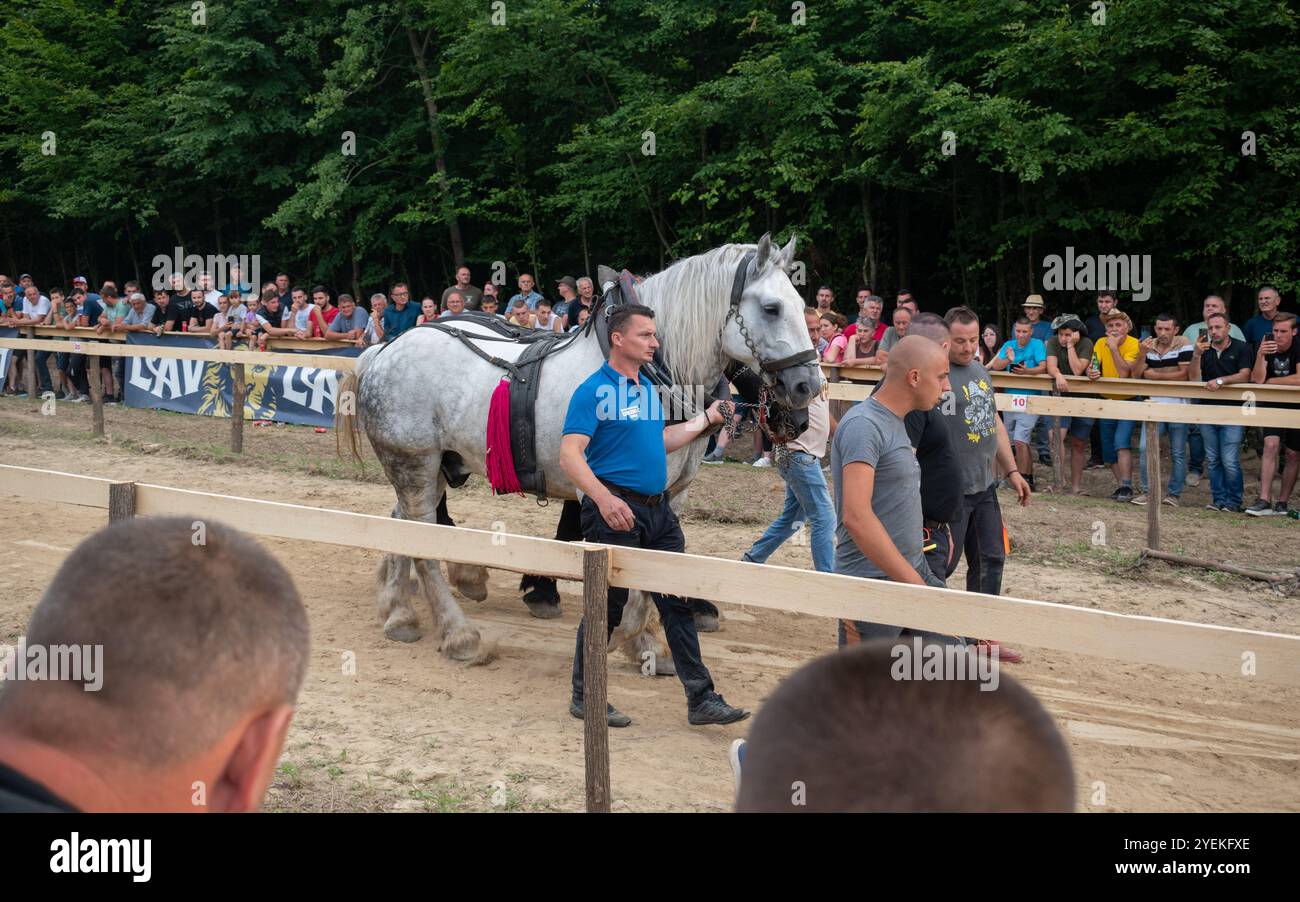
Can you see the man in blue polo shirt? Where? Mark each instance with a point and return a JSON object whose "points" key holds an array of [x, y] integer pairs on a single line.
{"points": [[615, 450]]}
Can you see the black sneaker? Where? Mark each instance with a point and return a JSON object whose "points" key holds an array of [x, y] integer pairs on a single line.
{"points": [[1230, 508], [613, 716], [1280, 509], [1260, 508], [1123, 493], [1045, 459], [714, 709]]}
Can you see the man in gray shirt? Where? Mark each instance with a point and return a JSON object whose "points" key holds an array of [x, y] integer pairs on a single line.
{"points": [[978, 437], [878, 481]]}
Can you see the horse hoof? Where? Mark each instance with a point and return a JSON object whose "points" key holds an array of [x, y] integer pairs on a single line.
{"points": [[543, 610], [707, 623], [472, 589], [402, 632], [461, 643]]}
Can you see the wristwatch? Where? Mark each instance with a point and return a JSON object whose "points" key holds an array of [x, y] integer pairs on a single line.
{"points": [[1219, 381]]}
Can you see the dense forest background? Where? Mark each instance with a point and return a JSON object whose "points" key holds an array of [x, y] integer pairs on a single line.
{"points": [[553, 135]]}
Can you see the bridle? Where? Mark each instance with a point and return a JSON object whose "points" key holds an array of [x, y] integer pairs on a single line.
{"points": [[766, 367]]}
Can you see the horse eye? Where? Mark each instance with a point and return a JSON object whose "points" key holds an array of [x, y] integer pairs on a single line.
{"points": [[772, 308]]}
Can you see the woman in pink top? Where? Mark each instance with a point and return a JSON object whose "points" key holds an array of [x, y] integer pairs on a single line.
{"points": [[833, 331]]}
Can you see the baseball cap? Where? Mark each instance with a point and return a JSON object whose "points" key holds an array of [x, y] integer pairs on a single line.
{"points": [[79, 279], [567, 280]]}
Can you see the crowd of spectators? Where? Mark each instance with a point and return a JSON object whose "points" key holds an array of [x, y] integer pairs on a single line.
{"points": [[1213, 353], [239, 316]]}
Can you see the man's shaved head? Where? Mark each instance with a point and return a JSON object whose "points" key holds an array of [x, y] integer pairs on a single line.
{"points": [[858, 739], [918, 367], [195, 636], [929, 325]]}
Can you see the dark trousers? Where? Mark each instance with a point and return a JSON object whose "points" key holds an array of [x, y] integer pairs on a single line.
{"points": [[657, 529], [942, 558], [979, 532]]}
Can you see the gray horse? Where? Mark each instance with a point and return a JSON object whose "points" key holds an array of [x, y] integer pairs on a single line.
{"points": [[422, 401]]}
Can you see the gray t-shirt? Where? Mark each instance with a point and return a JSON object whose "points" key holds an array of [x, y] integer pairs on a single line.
{"points": [[871, 433], [889, 339], [972, 419]]}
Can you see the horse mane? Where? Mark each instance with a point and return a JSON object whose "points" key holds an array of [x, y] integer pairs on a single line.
{"points": [[691, 299]]}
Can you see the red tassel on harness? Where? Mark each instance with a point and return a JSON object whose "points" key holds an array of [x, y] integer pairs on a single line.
{"points": [[500, 462]]}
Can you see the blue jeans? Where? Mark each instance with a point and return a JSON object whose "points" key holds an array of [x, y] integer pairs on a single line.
{"points": [[807, 501], [1195, 448], [1177, 433], [1223, 460], [1116, 436]]}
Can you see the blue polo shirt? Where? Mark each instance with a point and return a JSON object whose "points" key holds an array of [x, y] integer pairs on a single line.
{"points": [[398, 321], [532, 298], [625, 422]]}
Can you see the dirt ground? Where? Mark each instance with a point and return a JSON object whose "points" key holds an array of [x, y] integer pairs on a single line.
{"points": [[412, 731]]}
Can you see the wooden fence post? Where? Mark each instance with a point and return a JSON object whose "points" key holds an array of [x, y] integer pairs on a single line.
{"points": [[31, 366], [237, 408], [1155, 489], [121, 501], [595, 732], [96, 379]]}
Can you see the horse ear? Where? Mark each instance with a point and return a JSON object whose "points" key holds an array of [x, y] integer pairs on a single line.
{"points": [[787, 252], [764, 251]]}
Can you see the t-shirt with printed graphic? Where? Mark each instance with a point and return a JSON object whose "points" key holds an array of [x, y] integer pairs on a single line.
{"points": [[971, 416], [1283, 363]]}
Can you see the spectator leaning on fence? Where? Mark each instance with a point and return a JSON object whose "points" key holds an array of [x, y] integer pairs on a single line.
{"points": [[374, 333], [1116, 358], [1023, 355], [880, 526], [1218, 359], [1068, 354], [398, 316], [203, 654], [1277, 362], [350, 324], [1195, 443], [1166, 357]]}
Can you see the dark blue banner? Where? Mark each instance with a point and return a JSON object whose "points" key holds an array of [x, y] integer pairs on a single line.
{"points": [[287, 394]]}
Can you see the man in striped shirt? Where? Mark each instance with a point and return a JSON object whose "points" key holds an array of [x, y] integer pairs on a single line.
{"points": [[1166, 357]]}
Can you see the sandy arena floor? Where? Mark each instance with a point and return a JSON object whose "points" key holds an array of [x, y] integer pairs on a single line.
{"points": [[413, 731]]}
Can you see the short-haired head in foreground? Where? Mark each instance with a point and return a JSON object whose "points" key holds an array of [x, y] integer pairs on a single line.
{"points": [[204, 648], [929, 325], [842, 734]]}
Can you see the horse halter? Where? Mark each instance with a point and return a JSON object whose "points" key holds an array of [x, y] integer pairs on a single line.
{"points": [[766, 366]]}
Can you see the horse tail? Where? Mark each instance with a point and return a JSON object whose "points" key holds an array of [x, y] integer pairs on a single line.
{"points": [[345, 411]]}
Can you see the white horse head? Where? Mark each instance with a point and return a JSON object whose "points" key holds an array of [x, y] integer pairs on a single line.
{"points": [[701, 329]]}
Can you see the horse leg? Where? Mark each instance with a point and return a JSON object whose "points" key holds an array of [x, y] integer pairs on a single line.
{"points": [[470, 580], [542, 595], [419, 486], [640, 635], [400, 621], [706, 615]]}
